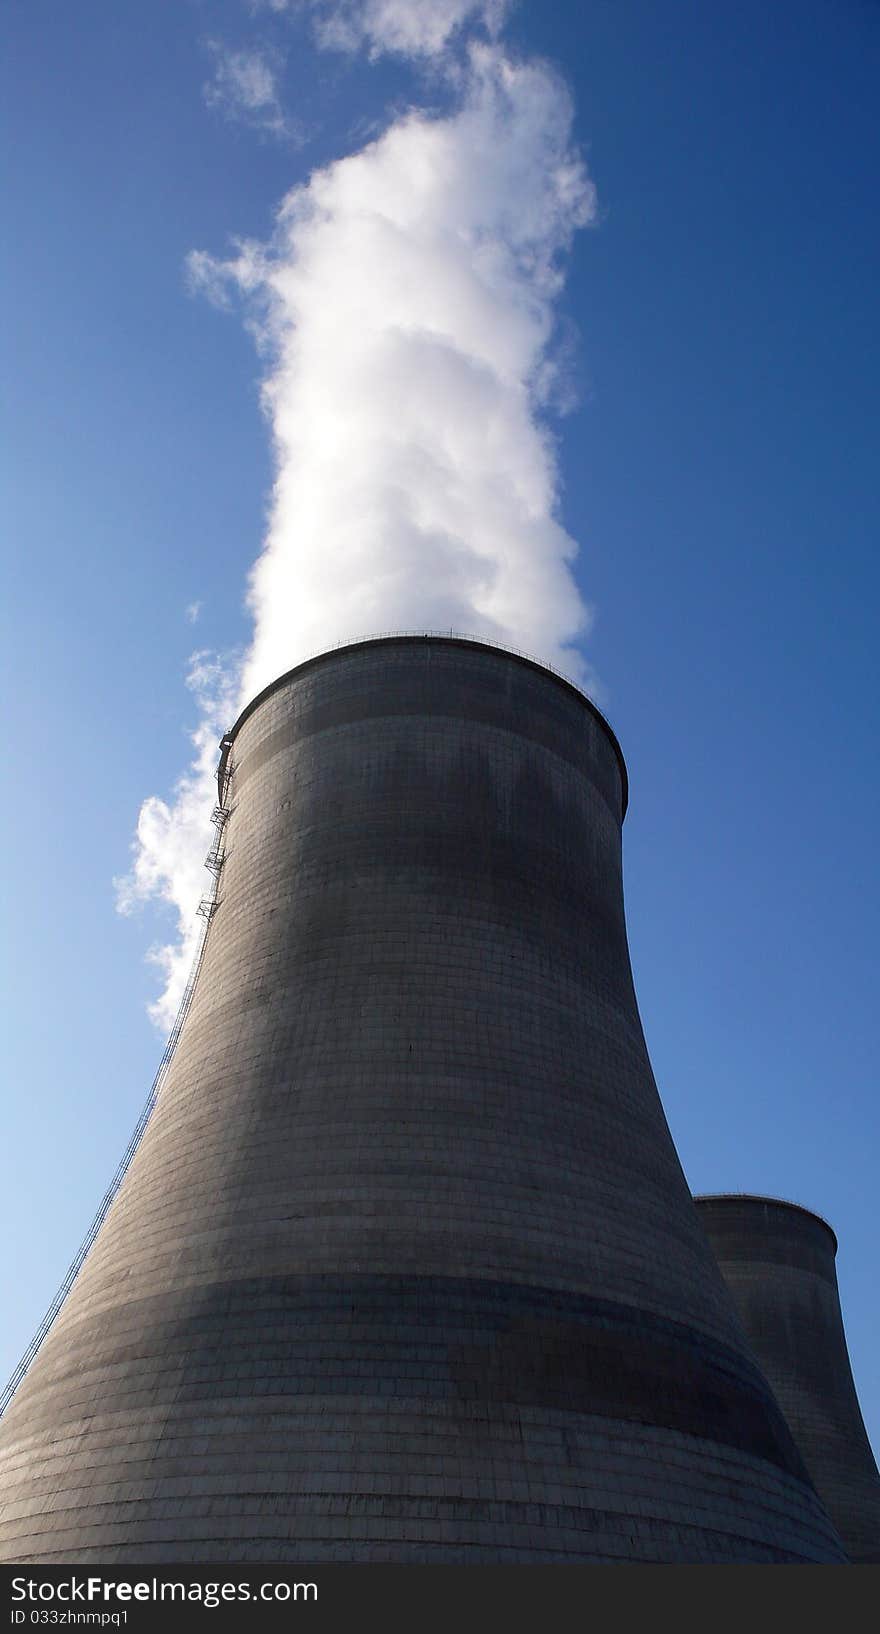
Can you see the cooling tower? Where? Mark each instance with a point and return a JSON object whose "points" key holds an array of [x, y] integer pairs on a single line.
{"points": [[405, 1268], [778, 1262]]}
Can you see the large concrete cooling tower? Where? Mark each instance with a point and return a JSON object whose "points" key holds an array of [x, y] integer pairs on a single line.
{"points": [[778, 1261], [405, 1268]]}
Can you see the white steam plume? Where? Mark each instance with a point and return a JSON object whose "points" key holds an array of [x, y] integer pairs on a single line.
{"points": [[405, 305]]}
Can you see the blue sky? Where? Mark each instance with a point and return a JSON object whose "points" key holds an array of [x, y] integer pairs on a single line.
{"points": [[718, 472]]}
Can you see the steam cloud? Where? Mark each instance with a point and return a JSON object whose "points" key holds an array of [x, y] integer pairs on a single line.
{"points": [[405, 306]]}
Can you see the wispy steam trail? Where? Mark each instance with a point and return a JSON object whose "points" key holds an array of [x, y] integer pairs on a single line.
{"points": [[405, 306], [245, 87], [411, 28]]}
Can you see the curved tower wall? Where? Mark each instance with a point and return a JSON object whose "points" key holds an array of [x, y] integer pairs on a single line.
{"points": [[405, 1267], [778, 1261]]}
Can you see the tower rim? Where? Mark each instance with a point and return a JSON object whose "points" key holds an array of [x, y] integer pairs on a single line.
{"points": [[764, 1197], [412, 639]]}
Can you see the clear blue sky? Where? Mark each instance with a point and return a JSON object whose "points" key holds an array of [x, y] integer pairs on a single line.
{"points": [[720, 474]]}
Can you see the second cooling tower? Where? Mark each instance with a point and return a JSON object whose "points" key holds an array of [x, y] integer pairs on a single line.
{"points": [[778, 1261], [405, 1267]]}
